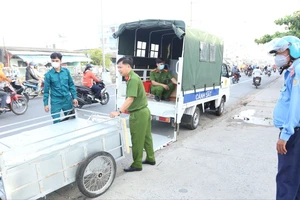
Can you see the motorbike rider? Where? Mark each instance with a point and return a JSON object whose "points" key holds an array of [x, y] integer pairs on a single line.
{"points": [[269, 69], [256, 73], [3, 82], [31, 77], [88, 81], [249, 69], [236, 72]]}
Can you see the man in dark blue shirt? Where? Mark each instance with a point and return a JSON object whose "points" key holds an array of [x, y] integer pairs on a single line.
{"points": [[59, 83], [287, 118]]}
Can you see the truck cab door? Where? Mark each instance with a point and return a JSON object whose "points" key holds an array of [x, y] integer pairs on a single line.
{"points": [[225, 79]]}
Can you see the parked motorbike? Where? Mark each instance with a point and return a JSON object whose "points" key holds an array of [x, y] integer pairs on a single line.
{"points": [[30, 89], [85, 95], [256, 81], [16, 103], [269, 73]]}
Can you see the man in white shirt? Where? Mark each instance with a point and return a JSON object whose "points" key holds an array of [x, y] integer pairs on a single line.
{"points": [[257, 73]]}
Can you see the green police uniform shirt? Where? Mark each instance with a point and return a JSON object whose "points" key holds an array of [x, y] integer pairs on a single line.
{"points": [[135, 88], [162, 76]]}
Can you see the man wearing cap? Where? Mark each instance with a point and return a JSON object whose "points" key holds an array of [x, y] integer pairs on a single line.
{"points": [[287, 118]]}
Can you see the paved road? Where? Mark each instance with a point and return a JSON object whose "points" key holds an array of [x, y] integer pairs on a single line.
{"points": [[36, 110]]}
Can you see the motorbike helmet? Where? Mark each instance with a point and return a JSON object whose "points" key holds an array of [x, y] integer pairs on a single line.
{"points": [[287, 42], [31, 64], [87, 67]]}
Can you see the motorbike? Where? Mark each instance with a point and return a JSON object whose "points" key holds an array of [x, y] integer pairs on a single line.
{"points": [[249, 73], [274, 70], [236, 78], [30, 89], [16, 103], [85, 95], [256, 81], [269, 73], [19, 88]]}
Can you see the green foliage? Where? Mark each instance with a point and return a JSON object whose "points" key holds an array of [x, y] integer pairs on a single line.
{"points": [[96, 57], [292, 27]]}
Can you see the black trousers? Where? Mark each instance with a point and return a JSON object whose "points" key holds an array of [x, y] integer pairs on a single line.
{"points": [[288, 176], [96, 90]]}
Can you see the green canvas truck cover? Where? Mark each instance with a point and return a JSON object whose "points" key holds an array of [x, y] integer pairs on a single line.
{"points": [[202, 56]]}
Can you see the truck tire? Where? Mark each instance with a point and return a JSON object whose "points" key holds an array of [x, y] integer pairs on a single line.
{"points": [[96, 174], [220, 109], [194, 120]]}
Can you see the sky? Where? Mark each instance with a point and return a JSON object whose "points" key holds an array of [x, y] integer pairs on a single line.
{"points": [[35, 23]]}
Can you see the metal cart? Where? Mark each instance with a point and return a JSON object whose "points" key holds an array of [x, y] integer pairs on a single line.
{"points": [[37, 161]]}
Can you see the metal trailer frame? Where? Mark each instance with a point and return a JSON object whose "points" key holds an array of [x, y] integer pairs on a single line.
{"points": [[36, 162]]}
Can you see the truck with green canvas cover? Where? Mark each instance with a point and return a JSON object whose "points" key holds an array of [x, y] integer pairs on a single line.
{"points": [[194, 57]]}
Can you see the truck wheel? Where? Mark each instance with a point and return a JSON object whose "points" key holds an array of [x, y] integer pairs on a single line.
{"points": [[220, 109], [96, 174], [194, 121]]}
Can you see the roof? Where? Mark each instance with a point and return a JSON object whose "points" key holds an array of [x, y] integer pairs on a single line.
{"points": [[42, 55], [178, 26]]}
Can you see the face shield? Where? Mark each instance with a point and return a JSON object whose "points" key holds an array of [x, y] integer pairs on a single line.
{"points": [[278, 45]]}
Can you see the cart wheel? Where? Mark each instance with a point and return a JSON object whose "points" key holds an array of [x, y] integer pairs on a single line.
{"points": [[96, 174]]}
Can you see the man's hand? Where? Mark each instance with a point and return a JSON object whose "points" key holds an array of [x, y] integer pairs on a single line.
{"points": [[46, 108], [281, 146], [114, 114], [166, 87], [75, 102]]}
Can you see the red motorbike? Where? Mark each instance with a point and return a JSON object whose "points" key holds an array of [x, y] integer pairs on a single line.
{"points": [[16, 103]]}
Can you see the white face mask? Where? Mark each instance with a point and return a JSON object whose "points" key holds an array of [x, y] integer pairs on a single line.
{"points": [[281, 60], [161, 67], [55, 64]]}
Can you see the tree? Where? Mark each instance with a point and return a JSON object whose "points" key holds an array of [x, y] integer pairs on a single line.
{"points": [[292, 27], [96, 57]]}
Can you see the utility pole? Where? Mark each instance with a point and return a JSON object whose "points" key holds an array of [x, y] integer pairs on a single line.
{"points": [[103, 53], [191, 13]]}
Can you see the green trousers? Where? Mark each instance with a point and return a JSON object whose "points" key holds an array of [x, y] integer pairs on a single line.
{"points": [[141, 136], [161, 91]]}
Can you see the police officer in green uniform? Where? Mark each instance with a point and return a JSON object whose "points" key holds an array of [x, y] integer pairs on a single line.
{"points": [[140, 118], [162, 81], [59, 84]]}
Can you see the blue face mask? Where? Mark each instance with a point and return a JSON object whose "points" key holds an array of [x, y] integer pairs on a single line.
{"points": [[161, 67]]}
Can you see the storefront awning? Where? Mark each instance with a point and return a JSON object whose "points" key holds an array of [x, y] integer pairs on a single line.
{"points": [[46, 59], [36, 59]]}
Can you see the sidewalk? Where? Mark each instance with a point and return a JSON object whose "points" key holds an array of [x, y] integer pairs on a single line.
{"points": [[234, 157]]}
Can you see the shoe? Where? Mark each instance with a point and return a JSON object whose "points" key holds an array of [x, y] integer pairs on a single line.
{"points": [[156, 98], [165, 99], [148, 162], [4, 110], [132, 169]]}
